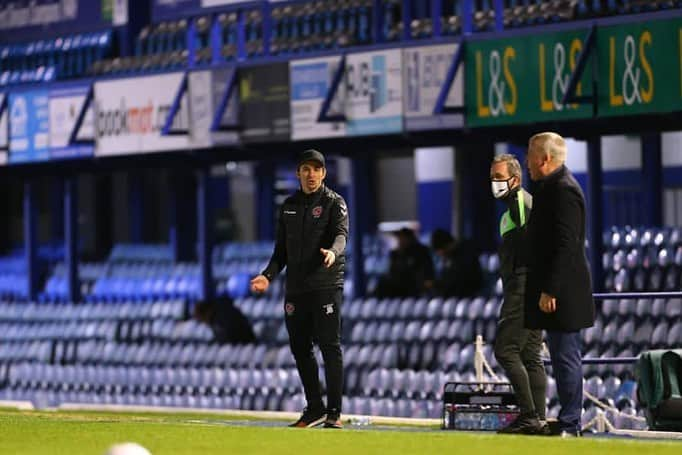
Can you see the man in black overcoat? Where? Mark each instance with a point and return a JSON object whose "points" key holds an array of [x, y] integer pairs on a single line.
{"points": [[559, 286]]}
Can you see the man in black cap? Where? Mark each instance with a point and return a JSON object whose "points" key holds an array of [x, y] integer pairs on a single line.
{"points": [[312, 232]]}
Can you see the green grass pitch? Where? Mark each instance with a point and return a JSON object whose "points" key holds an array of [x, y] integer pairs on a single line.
{"points": [[75, 433]]}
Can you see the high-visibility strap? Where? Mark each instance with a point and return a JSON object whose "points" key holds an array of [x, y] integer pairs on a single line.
{"points": [[507, 222], [522, 207]]}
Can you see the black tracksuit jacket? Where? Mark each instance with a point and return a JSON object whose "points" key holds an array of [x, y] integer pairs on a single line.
{"points": [[308, 222]]}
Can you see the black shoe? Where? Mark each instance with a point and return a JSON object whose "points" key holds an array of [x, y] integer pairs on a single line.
{"points": [[333, 419], [544, 430], [310, 418], [523, 424]]}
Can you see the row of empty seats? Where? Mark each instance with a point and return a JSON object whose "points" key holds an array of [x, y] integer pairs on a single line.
{"points": [[18, 331], [51, 59], [639, 324], [632, 237], [380, 382], [384, 392], [643, 280], [147, 272], [643, 309], [396, 350], [645, 335], [130, 310], [305, 27], [642, 259], [294, 28]]}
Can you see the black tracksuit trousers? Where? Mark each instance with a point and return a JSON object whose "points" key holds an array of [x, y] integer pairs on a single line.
{"points": [[315, 318]]}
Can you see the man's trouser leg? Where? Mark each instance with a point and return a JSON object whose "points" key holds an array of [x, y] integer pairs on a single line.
{"points": [[537, 376], [514, 345], [564, 349], [299, 322], [327, 335]]}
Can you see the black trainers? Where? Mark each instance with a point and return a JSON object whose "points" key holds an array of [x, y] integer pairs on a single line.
{"points": [[310, 418], [333, 419], [524, 424], [545, 429]]}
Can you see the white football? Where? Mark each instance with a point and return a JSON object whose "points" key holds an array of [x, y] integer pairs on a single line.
{"points": [[127, 448]]}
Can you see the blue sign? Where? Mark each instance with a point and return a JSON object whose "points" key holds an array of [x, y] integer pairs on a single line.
{"points": [[28, 126], [310, 82], [374, 103]]}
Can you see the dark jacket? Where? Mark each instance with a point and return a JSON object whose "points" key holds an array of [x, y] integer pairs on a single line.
{"points": [[513, 250], [461, 275], [308, 222], [557, 261], [410, 268], [229, 325]]}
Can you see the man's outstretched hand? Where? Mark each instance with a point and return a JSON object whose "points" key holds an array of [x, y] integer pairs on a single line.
{"points": [[260, 284], [329, 257]]}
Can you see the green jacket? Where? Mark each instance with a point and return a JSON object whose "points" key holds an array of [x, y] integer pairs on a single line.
{"points": [[513, 250]]}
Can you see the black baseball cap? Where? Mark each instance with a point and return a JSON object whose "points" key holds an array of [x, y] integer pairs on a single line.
{"points": [[311, 155]]}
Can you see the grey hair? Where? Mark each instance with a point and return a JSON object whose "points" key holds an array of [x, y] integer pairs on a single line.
{"points": [[553, 144], [513, 165]]}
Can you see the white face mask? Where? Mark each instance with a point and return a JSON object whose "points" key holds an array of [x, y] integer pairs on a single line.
{"points": [[500, 188]]}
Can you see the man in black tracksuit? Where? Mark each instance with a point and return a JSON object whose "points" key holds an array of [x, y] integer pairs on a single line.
{"points": [[312, 232], [517, 349]]}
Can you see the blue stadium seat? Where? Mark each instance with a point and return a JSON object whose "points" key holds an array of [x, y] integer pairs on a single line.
{"points": [[659, 335], [595, 386], [466, 358], [433, 309], [425, 331], [673, 308], [419, 308], [624, 336], [440, 331], [383, 332], [627, 307], [642, 336], [592, 336], [675, 334], [610, 333], [381, 309], [406, 305]]}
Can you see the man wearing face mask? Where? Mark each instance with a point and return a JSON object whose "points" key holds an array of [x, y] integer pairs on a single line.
{"points": [[312, 232], [517, 349]]}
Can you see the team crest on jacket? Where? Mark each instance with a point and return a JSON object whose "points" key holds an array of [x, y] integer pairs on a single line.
{"points": [[317, 211]]}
